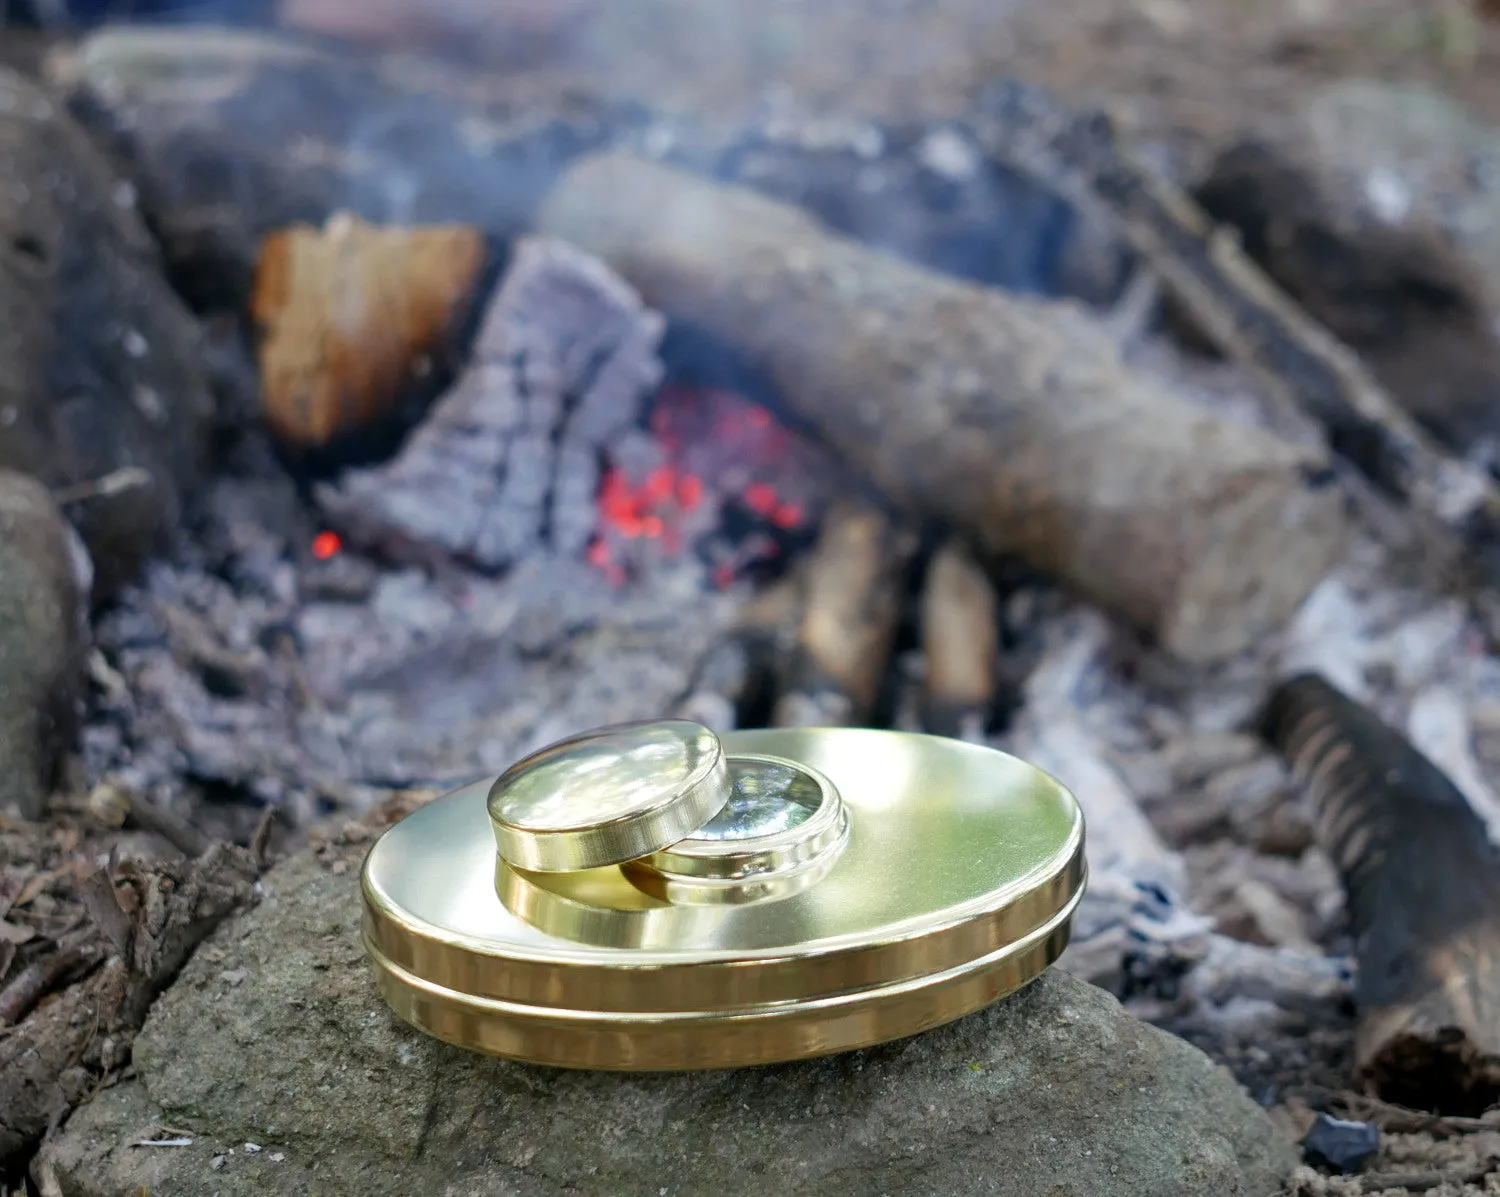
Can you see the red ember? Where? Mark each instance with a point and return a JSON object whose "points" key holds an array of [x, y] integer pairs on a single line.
{"points": [[326, 545], [713, 449]]}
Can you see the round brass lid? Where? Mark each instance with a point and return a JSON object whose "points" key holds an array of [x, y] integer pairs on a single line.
{"points": [[780, 815], [608, 796], [952, 882]]}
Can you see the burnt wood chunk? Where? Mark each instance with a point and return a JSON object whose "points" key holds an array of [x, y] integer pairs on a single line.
{"points": [[1401, 296], [1423, 886], [1009, 418], [354, 318], [102, 369], [508, 460]]}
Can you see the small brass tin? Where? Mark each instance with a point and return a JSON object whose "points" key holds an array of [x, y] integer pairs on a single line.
{"points": [[609, 795], [927, 878]]}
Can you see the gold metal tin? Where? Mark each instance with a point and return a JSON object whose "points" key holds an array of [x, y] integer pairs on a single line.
{"points": [[608, 795], [731, 852], [956, 885]]}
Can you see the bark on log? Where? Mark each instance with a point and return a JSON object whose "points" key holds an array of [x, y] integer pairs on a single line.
{"points": [[1423, 884], [853, 601], [1012, 418], [960, 637]]}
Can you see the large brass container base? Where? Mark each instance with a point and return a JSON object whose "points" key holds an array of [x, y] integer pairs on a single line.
{"points": [[936, 877]]}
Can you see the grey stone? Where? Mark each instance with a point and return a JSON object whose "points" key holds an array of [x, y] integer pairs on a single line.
{"points": [[1055, 1092], [1408, 154], [43, 585], [101, 366]]}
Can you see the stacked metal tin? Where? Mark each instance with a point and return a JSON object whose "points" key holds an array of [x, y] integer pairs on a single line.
{"points": [[655, 896]]}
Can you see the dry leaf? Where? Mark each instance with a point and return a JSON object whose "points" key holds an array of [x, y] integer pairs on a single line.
{"points": [[7, 954], [351, 315]]}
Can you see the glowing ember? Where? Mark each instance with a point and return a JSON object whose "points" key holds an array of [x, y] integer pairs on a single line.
{"points": [[760, 498], [326, 545], [718, 474]]}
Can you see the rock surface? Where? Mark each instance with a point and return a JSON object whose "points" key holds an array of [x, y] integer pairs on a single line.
{"points": [[1411, 155], [275, 1055], [41, 637], [100, 364]]}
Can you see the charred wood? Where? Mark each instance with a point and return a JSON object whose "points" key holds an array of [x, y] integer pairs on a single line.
{"points": [[1246, 315], [1423, 886], [507, 461], [1401, 297], [357, 321], [232, 134], [1010, 418]]}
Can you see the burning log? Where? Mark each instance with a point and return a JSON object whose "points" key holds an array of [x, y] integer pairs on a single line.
{"points": [[853, 602], [1008, 417], [354, 318], [960, 637], [1423, 885], [508, 459], [1245, 314]]}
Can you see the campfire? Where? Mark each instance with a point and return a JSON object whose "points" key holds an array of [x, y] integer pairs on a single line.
{"points": [[407, 440]]}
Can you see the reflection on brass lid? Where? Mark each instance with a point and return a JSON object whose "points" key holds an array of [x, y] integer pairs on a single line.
{"points": [[782, 825], [955, 885], [608, 796]]}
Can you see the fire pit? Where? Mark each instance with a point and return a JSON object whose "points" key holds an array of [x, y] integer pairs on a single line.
{"points": [[381, 440]]}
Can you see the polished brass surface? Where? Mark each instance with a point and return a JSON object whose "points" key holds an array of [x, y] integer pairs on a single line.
{"points": [[565, 1038], [781, 817], [608, 796], [956, 885]]}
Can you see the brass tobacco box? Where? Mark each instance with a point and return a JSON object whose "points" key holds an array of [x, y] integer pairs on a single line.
{"points": [[654, 896]]}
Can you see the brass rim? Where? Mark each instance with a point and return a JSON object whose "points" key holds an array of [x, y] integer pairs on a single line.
{"points": [[811, 841], [569, 841], [740, 1038]]}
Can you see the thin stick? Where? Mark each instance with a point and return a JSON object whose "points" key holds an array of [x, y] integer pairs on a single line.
{"points": [[34, 982]]}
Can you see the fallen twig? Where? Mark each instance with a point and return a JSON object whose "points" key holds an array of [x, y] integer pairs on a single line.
{"points": [[1420, 1182], [1389, 1115], [114, 804], [116, 482], [36, 980]]}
